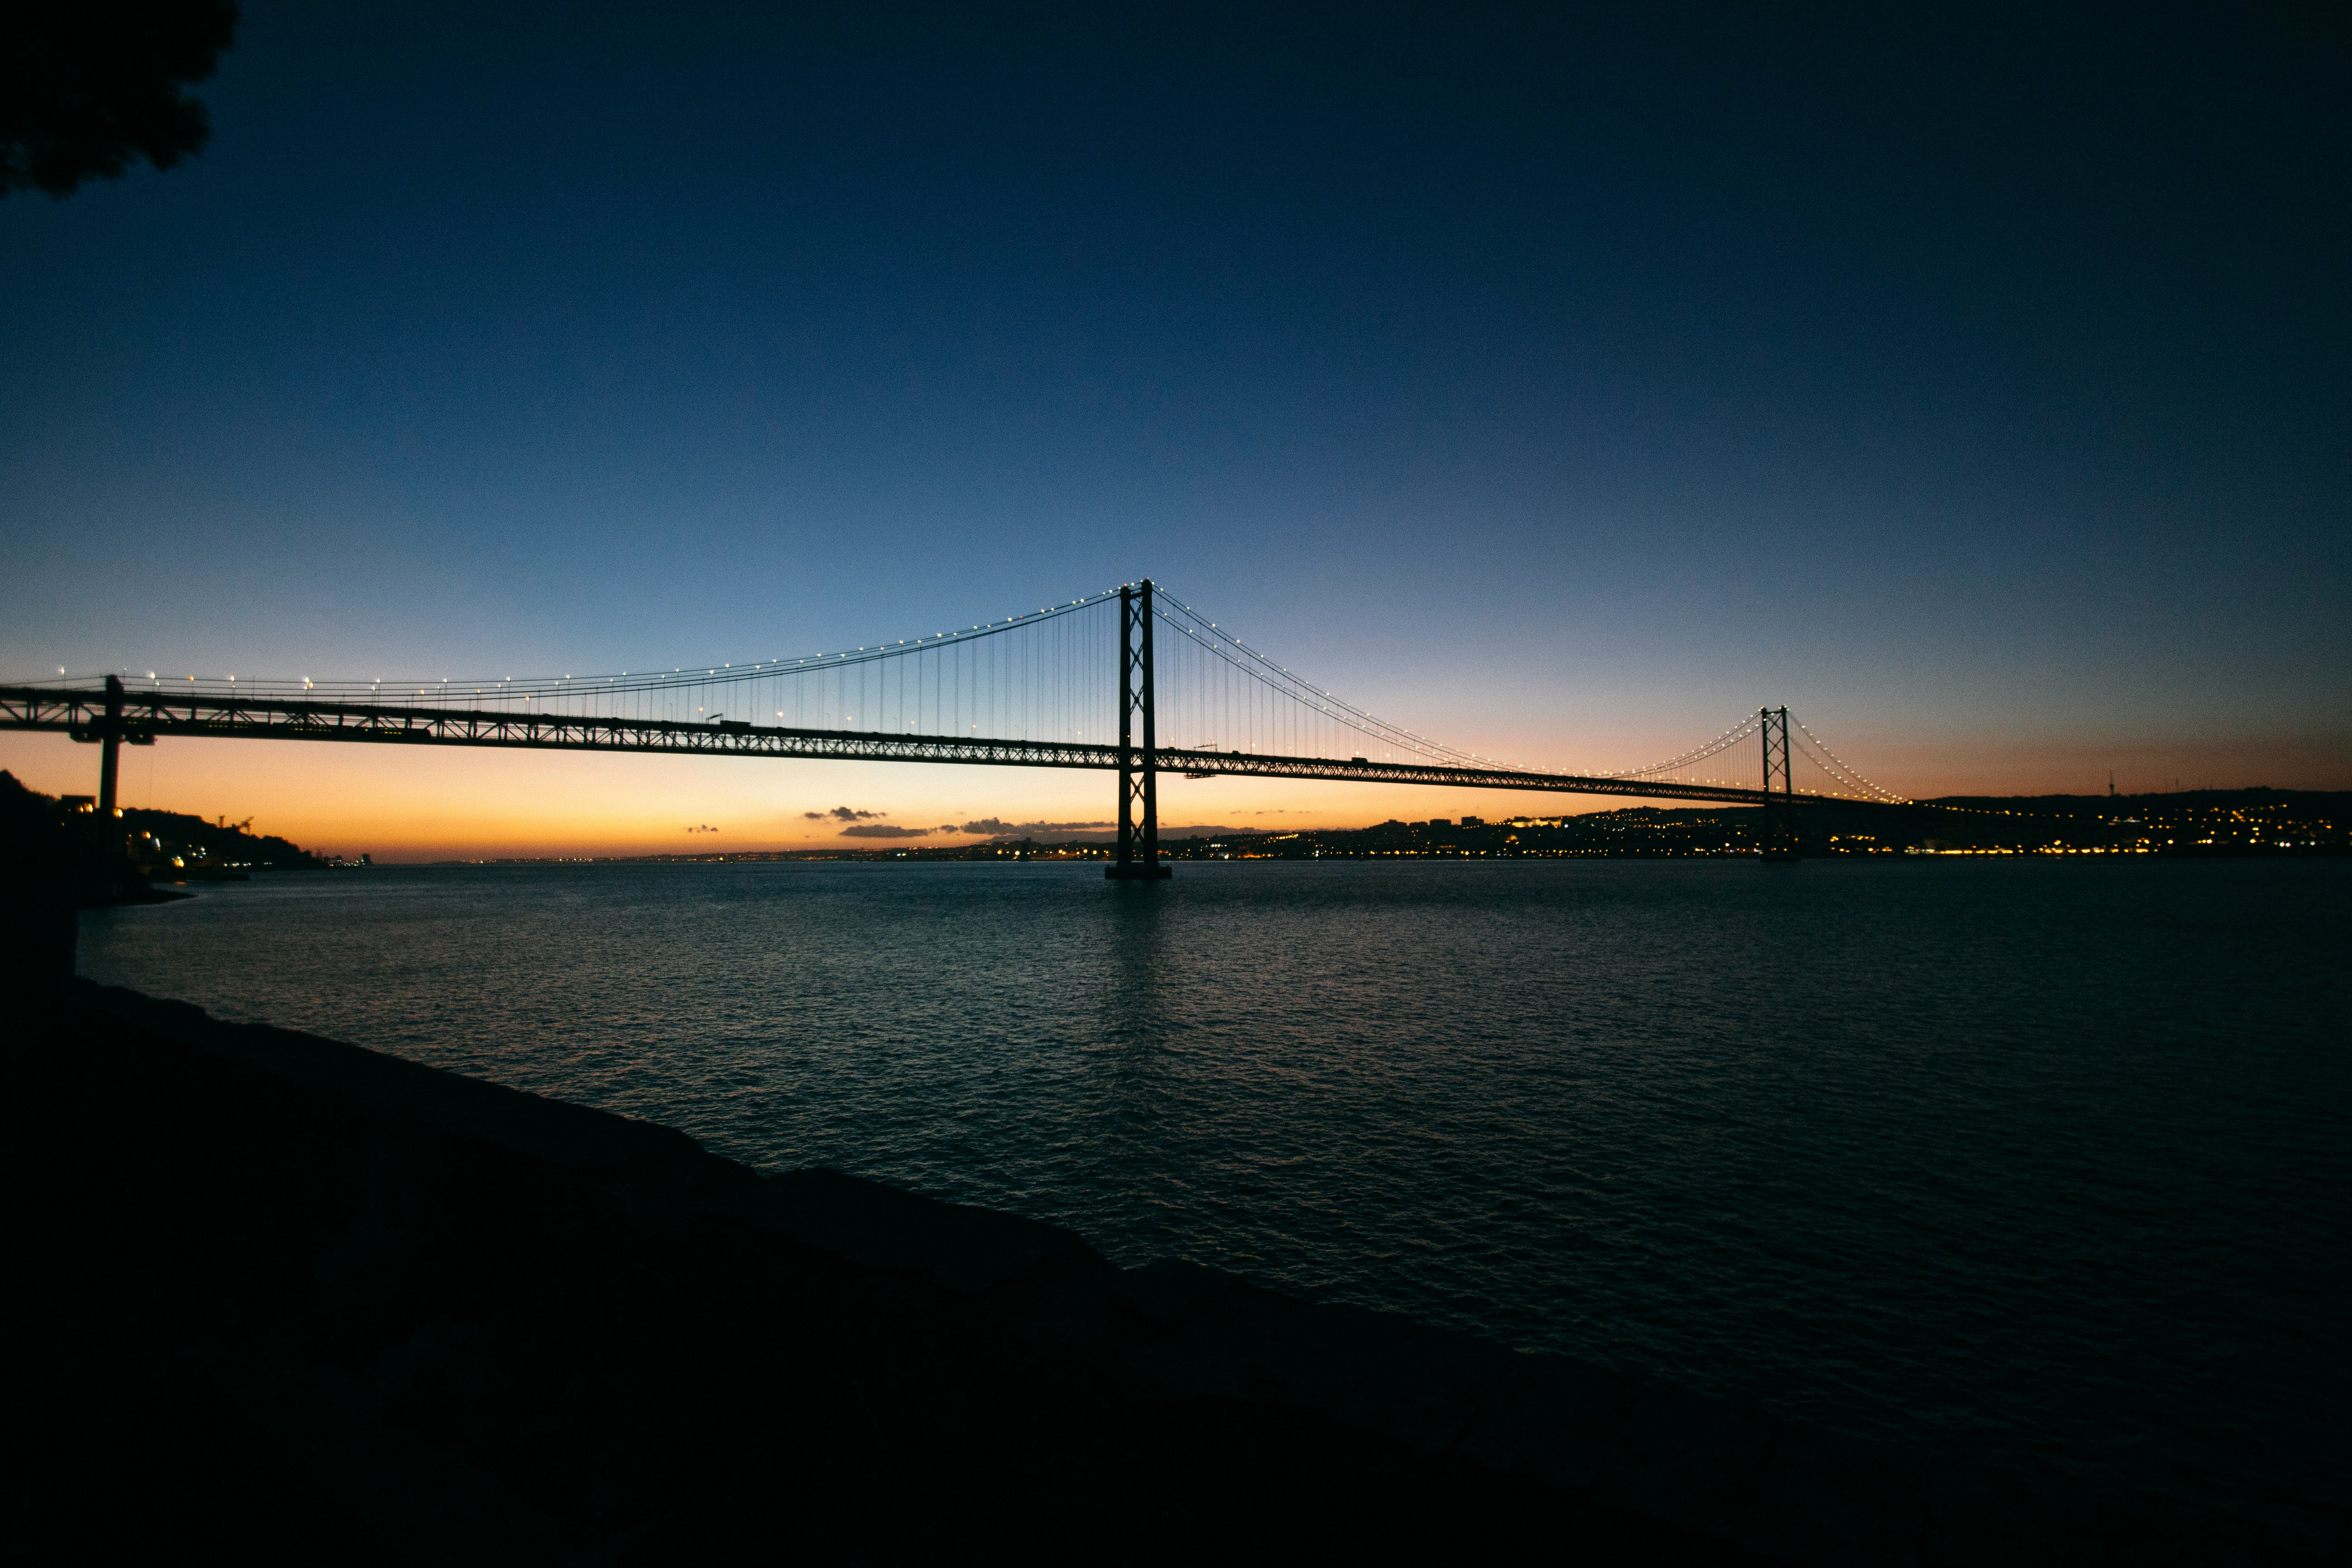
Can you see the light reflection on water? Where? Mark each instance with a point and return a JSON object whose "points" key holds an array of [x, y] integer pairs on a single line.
{"points": [[2039, 1163]]}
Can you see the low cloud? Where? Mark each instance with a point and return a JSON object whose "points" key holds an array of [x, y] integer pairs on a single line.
{"points": [[993, 825], [883, 830], [813, 815], [845, 813]]}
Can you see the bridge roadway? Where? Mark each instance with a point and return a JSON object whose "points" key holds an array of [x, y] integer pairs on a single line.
{"points": [[146, 715]]}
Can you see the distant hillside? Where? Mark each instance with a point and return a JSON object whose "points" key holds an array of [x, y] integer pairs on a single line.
{"points": [[223, 843], [158, 844], [2299, 803], [2256, 823], [2253, 822]]}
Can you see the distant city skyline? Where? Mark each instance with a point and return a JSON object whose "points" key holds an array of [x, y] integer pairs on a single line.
{"points": [[1563, 388]]}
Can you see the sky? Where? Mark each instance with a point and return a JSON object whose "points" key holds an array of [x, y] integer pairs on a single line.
{"points": [[1557, 385]]}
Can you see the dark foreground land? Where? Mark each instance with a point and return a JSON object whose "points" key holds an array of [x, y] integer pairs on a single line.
{"points": [[295, 1297]]}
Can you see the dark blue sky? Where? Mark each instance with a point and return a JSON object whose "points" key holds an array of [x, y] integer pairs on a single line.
{"points": [[1557, 387]]}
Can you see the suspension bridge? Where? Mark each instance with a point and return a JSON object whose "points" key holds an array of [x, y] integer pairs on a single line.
{"points": [[1093, 683]]}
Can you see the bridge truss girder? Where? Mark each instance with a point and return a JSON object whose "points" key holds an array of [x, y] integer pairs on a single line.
{"points": [[147, 715]]}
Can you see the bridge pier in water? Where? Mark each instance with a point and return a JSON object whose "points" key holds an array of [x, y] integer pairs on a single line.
{"points": [[1138, 768], [110, 732], [109, 755]]}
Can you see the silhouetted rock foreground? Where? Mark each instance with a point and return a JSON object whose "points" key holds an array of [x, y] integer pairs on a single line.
{"points": [[310, 1299]]}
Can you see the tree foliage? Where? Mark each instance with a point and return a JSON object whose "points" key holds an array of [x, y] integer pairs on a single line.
{"points": [[90, 87]]}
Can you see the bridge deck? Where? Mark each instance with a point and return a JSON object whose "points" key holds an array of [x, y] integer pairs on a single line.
{"points": [[148, 715]]}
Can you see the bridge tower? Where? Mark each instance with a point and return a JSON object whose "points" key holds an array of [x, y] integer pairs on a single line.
{"points": [[1138, 768], [1780, 842]]}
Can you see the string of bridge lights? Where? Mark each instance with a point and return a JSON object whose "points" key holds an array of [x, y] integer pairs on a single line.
{"points": [[1739, 732], [1340, 708], [529, 688], [1291, 685], [1836, 766]]}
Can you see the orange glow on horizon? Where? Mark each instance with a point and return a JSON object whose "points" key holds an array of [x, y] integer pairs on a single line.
{"points": [[411, 804]]}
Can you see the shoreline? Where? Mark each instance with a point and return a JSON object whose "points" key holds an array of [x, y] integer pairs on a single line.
{"points": [[452, 1313]]}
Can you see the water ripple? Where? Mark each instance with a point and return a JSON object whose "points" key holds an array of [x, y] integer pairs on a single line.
{"points": [[2042, 1163]]}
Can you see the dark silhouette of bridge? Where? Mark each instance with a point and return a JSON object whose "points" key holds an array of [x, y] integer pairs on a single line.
{"points": [[1079, 685]]}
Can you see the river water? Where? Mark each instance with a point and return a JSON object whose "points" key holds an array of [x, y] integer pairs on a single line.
{"points": [[2043, 1165]]}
